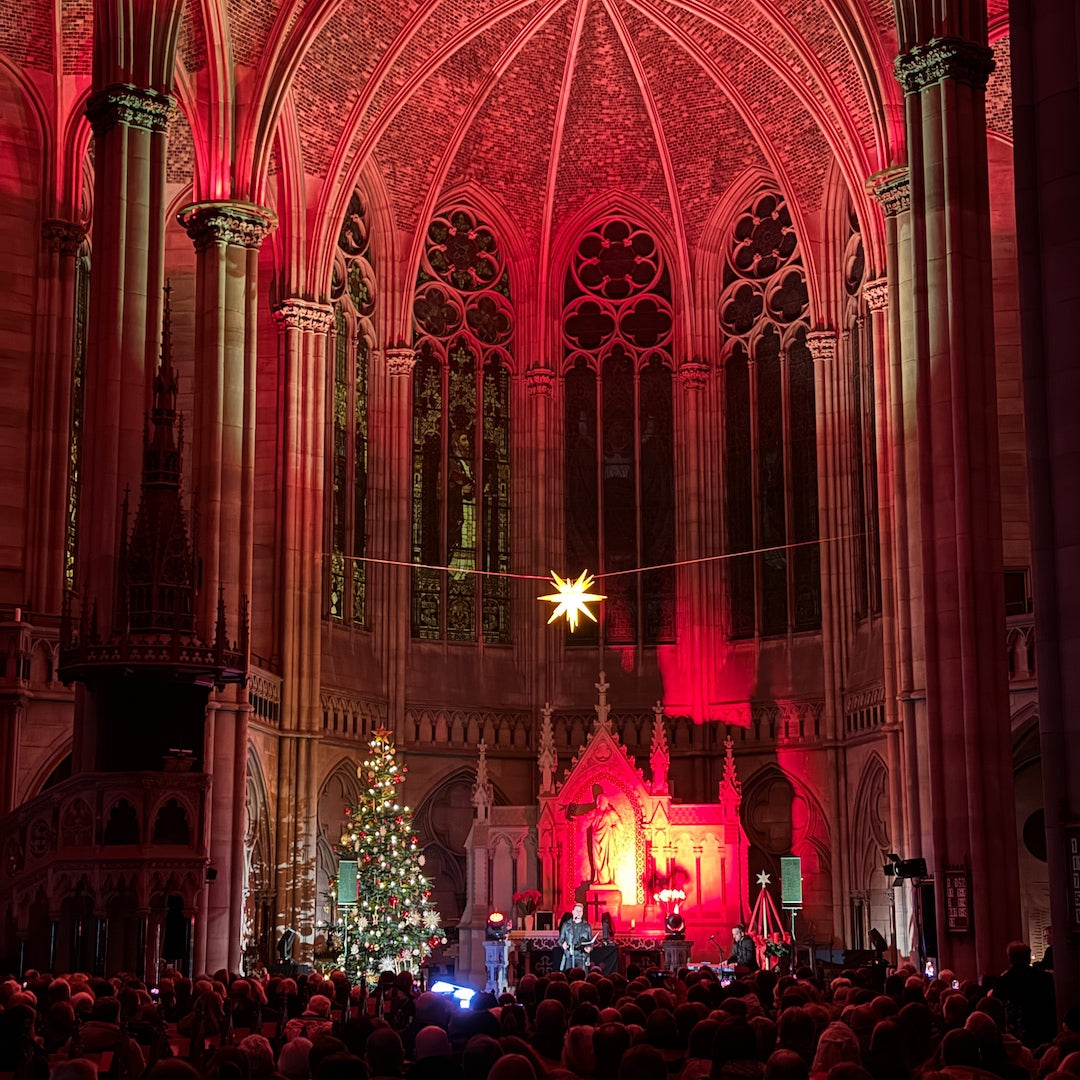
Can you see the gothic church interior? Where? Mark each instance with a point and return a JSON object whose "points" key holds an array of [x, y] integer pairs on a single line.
{"points": [[746, 307]]}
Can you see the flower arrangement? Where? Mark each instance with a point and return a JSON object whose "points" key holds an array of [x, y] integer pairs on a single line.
{"points": [[527, 901], [670, 896]]}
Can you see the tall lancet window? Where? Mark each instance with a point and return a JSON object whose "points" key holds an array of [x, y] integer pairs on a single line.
{"points": [[770, 441], [353, 295], [463, 322], [75, 439], [619, 478], [860, 360]]}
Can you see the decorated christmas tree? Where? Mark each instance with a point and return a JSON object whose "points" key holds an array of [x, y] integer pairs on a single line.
{"points": [[393, 924]]}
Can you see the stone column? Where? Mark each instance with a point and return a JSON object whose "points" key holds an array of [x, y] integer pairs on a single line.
{"points": [[227, 236], [1046, 78], [302, 340], [823, 348], [703, 625], [876, 295], [396, 537], [51, 427], [125, 313], [898, 456], [969, 764], [538, 534]]}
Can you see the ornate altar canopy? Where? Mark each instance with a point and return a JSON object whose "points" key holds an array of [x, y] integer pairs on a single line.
{"points": [[610, 836]]}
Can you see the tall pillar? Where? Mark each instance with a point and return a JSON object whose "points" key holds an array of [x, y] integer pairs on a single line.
{"points": [[302, 338], [227, 236], [900, 527], [955, 444], [823, 347], [701, 625], [540, 521], [397, 536], [51, 428], [129, 125], [876, 295], [1046, 92]]}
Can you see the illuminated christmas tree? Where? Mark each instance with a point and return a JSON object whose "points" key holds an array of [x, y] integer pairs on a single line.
{"points": [[393, 924]]}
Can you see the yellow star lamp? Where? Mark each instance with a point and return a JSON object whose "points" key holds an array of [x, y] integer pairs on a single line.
{"points": [[572, 598]]}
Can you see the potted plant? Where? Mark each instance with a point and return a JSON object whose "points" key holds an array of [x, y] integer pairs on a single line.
{"points": [[526, 903]]}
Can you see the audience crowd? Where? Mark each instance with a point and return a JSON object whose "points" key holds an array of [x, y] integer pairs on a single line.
{"points": [[564, 1026]]}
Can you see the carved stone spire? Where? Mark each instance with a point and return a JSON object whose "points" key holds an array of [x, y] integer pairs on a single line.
{"points": [[482, 793], [154, 628], [547, 758], [730, 785], [157, 582], [659, 755], [603, 709]]}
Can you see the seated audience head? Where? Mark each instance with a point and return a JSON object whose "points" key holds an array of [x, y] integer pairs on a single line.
{"points": [[643, 1063], [959, 1047], [786, 1065], [384, 1053]]}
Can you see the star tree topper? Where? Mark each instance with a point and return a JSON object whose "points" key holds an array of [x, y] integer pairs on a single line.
{"points": [[572, 598]]}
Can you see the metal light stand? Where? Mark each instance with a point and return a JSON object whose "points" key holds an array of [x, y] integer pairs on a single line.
{"points": [[795, 948]]}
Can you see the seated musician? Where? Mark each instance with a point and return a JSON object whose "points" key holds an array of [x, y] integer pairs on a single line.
{"points": [[743, 954], [575, 937]]}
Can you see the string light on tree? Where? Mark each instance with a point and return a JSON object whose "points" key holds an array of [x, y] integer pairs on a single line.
{"points": [[393, 925], [572, 597]]}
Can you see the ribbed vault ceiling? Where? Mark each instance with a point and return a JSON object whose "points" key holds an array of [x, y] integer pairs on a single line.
{"points": [[547, 104]]}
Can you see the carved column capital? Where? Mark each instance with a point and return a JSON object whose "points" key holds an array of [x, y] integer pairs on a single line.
{"points": [[236, 223], [63, 237], [876, 294], [892, 190], [944, 58], [539, 381], [822, 345], [401, 360], [304, 315], [694, 374], [134, 106]]}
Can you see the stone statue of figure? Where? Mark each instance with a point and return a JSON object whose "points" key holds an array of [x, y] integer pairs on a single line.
{"points": [[604, 823]]}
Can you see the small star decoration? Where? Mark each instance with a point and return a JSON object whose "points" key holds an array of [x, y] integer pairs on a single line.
{"points": [[763, 879], [572, 598]]}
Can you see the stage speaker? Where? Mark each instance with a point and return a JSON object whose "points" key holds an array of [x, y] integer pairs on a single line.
{"points": [[545, 920], [791, 881], [346, 882]]}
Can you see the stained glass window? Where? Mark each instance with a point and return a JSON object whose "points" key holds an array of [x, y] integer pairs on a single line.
{"points": [[770, 448], [619, 476], [353, 294], [463, 322], [75, 440]]}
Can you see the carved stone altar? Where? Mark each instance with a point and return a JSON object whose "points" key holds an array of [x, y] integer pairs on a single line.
{"points": [[610, 837]]}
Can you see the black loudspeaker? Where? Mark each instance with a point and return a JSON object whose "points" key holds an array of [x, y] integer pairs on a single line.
{"points": [[545, 920], [346, 881], [791, 881]]}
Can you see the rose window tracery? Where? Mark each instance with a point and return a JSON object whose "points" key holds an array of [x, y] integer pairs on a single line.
{"points": [[769, 426], [617, 331], [353, 292], [463, 322]]}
